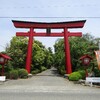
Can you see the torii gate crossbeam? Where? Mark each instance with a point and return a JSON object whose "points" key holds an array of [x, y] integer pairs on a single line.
{"points": [[57, 25]]}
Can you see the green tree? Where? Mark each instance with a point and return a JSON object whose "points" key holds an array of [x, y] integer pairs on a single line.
{"points": [[38, 56], [78, 47], [59, 56], [17, 51], [49, 58]]}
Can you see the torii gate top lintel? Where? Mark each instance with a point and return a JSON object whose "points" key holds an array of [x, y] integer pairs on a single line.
{"points": [[43, 25]]}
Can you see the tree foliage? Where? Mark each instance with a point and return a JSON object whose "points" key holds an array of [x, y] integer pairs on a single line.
{"points": [[17, 51], [78, 47]]}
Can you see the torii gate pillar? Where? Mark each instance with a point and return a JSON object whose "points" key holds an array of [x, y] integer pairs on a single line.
{"points": [[67, 53], [29, 51]]}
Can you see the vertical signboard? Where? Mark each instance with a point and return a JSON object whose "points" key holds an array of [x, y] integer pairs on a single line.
{"points": [[98, 57]]}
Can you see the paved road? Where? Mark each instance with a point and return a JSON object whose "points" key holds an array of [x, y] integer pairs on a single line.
{"points": [[47, 85]]}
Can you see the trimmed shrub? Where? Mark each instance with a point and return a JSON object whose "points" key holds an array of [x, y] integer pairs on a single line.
{"points": [[23, 73], [75, 76], [62, 70], [35, 71], [14, 74], [83, 74], [7, 74], [43, 68]]}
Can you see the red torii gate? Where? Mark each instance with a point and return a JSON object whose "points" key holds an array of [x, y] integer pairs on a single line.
{"points": [[57, 25]]}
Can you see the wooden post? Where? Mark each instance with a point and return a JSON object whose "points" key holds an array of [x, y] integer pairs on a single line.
{"points": [[29, 51], [67, 52]]}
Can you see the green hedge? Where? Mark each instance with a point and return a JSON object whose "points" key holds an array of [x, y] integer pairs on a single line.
{"points": [[83, 74], [75, 76], [7, 74], [62, 70], [14, 74], [35, 71], [23, 73], [43, 68]]}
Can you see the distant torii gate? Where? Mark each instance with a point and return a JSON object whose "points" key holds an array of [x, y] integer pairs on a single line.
{"points": [[57, 25]]}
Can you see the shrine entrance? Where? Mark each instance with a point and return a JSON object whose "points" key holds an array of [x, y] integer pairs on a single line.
{"points": [[48, 26]]}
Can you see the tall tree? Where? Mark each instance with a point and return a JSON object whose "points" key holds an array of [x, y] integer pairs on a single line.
{"points": [[17, 51], [78, 47]]}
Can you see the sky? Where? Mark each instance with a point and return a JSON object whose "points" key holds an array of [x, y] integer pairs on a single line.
{"points": [[47, 11]]}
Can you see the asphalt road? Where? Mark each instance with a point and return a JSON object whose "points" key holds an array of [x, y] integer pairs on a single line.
{"points": [[47, 85]]}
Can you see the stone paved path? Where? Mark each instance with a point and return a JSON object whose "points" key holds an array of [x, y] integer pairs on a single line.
{"points": [[47, 81]]}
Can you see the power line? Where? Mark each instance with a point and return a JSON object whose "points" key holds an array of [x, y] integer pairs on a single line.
{"points": [[5, 17], [48, 6]]}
